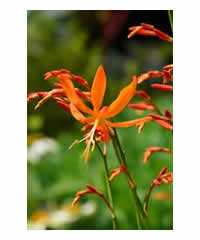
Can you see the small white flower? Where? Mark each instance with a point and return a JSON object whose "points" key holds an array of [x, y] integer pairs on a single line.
{"points": [[88, 208], [60, 217], [40, 148]]}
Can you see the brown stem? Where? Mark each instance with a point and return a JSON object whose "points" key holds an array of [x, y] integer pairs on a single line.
{"points": [[147, 197]]}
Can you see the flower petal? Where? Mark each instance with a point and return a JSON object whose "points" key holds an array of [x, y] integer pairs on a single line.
{"points": [[78, 115], [122, 100], [129, 123], [98, 88], [71, 93]]}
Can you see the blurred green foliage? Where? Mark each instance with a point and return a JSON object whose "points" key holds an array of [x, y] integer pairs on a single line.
{"points": [[57, 39]]}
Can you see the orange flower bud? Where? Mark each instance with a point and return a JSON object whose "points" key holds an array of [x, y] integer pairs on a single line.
{"points": [[165, 124], [147, 26], [55, 73], [134, 31], [131, 28], [149, 30], [75, 200], [145, 32], [162, 87], [155, 74], [83, 95], [150, 74], [50, 94], [58, 85], [91, 188], [163, 170], [77, 78], [150, 150], [156, 182], [64, 105], [167, 76], [141, 106], [169, 66], [163, 36], [143, 94], [83, 192], [147, 154], [117, 171], [81, 81], [164, 177], [143, 77], [168, 114], [32, 96], [158, 117]]}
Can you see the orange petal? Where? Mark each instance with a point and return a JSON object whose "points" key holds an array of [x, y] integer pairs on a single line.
{"points": [[71, 93], [122, 100], [98, 88], [163, 87], [134, 31], [78, 115], [129, 123]]}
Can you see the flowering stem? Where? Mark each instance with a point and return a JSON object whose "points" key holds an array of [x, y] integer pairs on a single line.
{"points": [[170, 19], [114, 218], [147, 197], [122, 160]]}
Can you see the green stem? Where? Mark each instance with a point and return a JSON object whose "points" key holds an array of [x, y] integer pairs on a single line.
{"points": [[146, 200], [170, 19], [114, 219], [122, 160]]}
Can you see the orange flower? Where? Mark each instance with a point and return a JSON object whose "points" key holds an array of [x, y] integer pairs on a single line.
{"points": [[166, 74], [150, 150], [98, 115], [164, 177], [58, 93], [117, 171], [149, 30], [90, 189]]}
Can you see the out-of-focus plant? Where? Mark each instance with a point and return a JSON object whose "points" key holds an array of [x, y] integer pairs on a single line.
{"points": [[99, 125]]}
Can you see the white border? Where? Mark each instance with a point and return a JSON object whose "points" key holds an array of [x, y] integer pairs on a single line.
{"points": [[13, 119]]}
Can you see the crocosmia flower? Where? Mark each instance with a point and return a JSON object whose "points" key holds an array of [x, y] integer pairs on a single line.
{"points": [[97, 122]]}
